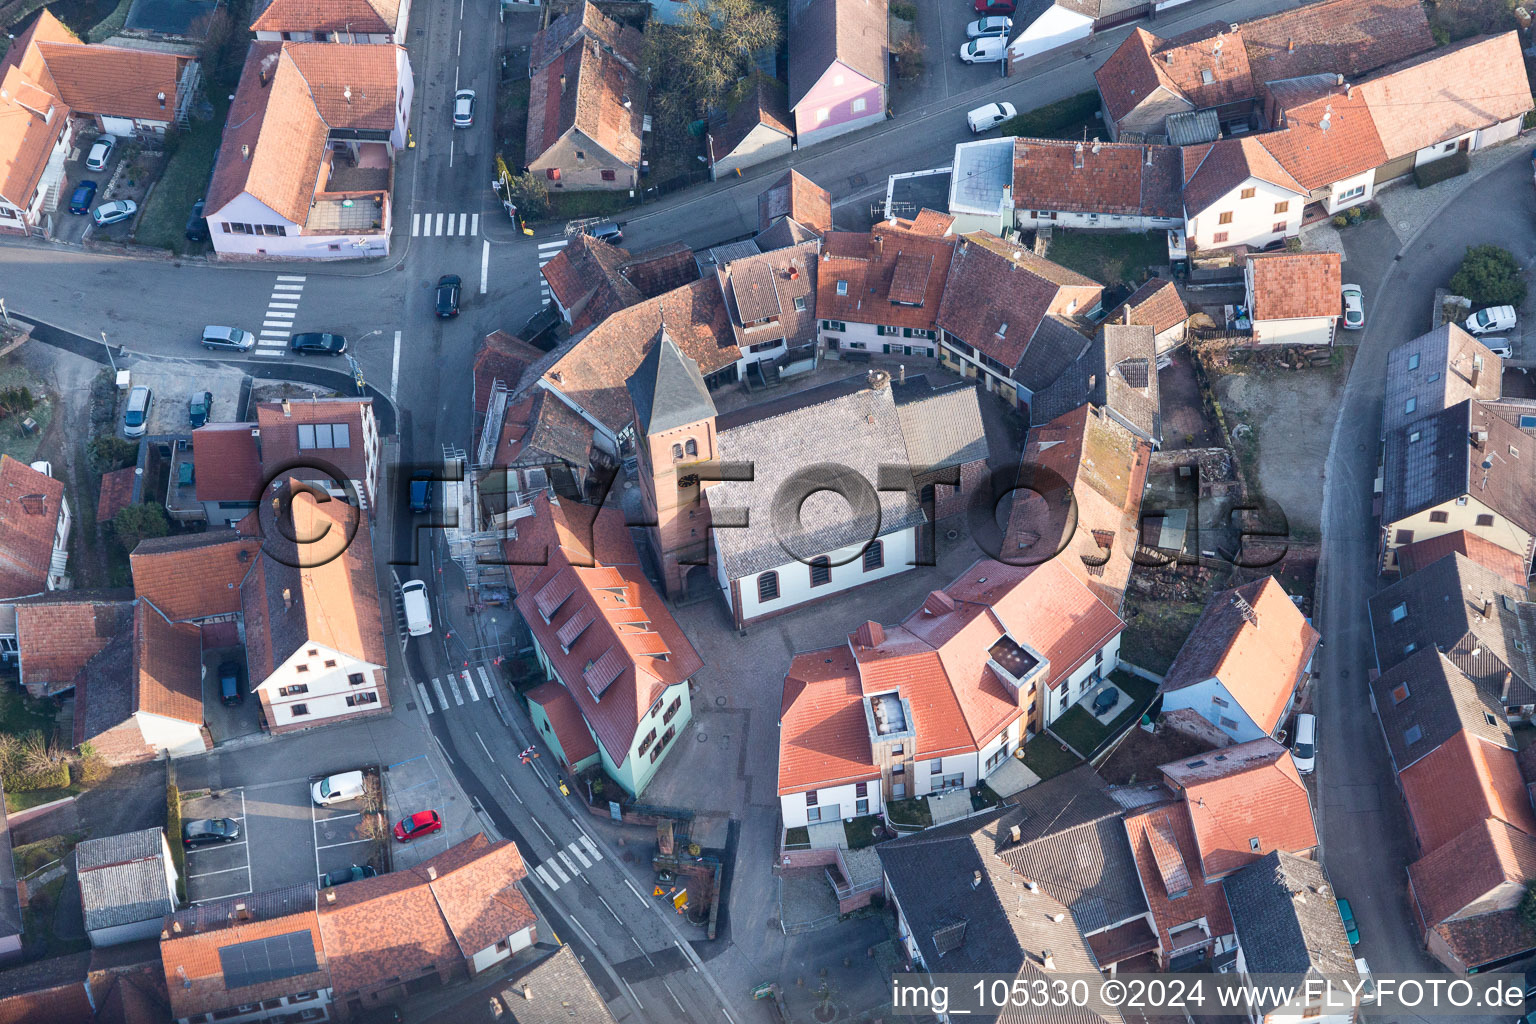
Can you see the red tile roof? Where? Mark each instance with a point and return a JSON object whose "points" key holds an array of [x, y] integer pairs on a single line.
{"points": [[1464, 870], [585, 279], [373, 17], [1214, 170], [226, 462], [1328, 139], [607, 658], [564, 716], [1292, 285], [1259, 660], [797, 197], [999, 293], [589, 24], [504, 357], [1240, 793], [30, 503], [116, 493], [190, 576], [823, 738], [476, 888], [894, 277], [168, 666], [1156, 304], [1415, 556], [584, 90], [280, 421], [1129, 75], [1102, 177], [194, 971], [764, 102], [1463, 781], [113, 80], [57, 635], [1162, 837]]}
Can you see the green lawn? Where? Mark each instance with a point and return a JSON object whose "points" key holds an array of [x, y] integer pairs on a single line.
{"points": [[23, 799], [1043, 756], [185, 181], [860, 832], [20, 714], [1079, 730], [910, 811], [1065, 119], [575, 205], [1084, 733], [797, 837], [1154, 634], [1110, 258], [14, 441]]}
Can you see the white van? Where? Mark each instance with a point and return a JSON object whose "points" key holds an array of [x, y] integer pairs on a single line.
{"points": [[986, 50], [334, 789], [418, 611], [1304, 746]]}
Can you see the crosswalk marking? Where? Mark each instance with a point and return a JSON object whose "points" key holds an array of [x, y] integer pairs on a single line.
{"points": [[463, 219], [552, 863], [415, 224], [274, 334], [282, 307], [474, 224], [439, 224], [451, 225], [290, 277], [544, 875], [437, 684], [269, 353], [425, 700], [586, 841], [287, 288], [547, 252], [470, 683], [485, 680], [281, 314], [486, 688], [276, 323], [579, 855], [453, 684], [554, 866], [569, 863]]}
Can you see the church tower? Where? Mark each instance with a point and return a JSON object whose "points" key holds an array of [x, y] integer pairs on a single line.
{"points": [[674, 432]]}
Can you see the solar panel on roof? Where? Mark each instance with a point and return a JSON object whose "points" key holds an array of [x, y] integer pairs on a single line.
{"points": [[260, 960]]}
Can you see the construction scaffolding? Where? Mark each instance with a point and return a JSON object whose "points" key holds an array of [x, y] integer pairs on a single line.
{"points": [[475, 547]]}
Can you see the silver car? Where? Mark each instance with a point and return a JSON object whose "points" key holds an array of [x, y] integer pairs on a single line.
{"points": [[101, 153], [464, 108], [115, 211], [136, 416], [231, 338]]}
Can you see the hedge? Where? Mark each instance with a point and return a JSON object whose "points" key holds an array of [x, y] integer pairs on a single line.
{"points": [[173, 837], [1059, 120], [1437, 171], [19, 780]]}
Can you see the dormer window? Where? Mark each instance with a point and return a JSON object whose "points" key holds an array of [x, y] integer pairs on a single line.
{"points": [[842, 287]]}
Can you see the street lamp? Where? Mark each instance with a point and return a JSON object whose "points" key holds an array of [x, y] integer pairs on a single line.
{"points": [[369, 335], [109, 353], [4, 314]]}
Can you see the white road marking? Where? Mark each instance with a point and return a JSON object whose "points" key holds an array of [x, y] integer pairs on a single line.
{"points": [[474, 224], [576, 850], [591, 847], [290, 277], [635, 891], [509, 787], [281, 314], [275, 334], [283, 305], [610, 910], [545, 876], [453, 684], [485, 748], [269, 353], [276, 323], [558, 243], [288, 287], [415, 224], [439, 224], [542, 829], [349, 842], [221, 871], [343, 814], [463, 223], [394, 376], [673, 995], [426, 701], [570, 864], [485, 680], [450, 144], [469, 681], [554, 866], [442, 698], [460, 51], [633, 996], [485, 263]]}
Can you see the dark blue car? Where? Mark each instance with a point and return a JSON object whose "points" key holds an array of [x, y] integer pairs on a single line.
{"points": [[84, 195]]}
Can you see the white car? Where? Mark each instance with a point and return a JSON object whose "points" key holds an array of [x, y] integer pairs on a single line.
{"points": [[101, 153], [995, 25], [990, 116], [1354, 307], [1494, 318], [115, 211], [986, 50], [335, 789], [1304, 746], [464, 108], [44, 467]]}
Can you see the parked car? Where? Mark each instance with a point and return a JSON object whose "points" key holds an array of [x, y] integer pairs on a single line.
{"points": [[990, 116], [448, 295], [421, 491], [44, 467], [986, 50], [232, 338], [114, 212], [464, 108], [1499, 347], [1304, 746], [1367, 982], [419, 824], [1490, 320], [202, 831], [606, 231], [418, 611], [993, 26], [199, 406], [136, 416], [335, 789], [1354, 307], [197, 224], [319, 344], [1107, 698], [355, 873], [101, 153], [993, 7], [1347, 915], [81, 198], [230, 690]]}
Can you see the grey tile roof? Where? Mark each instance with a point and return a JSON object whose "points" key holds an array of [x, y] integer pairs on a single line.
{"points": [[668, 390], [262, 906], [941, 426], [1055, 349], [557, 990], [1433, 459], [855, 32], [1116, 371], [104, 690], [1287, 919], [1425, 700], [1442, 605], [1435, 371], [123, 879], [843, 424]]}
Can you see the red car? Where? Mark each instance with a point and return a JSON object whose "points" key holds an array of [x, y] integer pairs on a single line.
{"points": [[419, 824], [994, 6]]}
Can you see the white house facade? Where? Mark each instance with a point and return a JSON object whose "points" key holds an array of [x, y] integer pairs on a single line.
{"points": [[503, 949], [1083, 678], [317, 684], [1056, 26], [1254, 213], [794, 583]]}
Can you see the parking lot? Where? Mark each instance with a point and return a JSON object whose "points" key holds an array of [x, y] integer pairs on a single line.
{"points": [[411, 786], [219, 870], [173, 388], [347, 834]]}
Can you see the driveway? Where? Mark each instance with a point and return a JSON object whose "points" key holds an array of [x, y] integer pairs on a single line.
{"points": [[227, 722]]}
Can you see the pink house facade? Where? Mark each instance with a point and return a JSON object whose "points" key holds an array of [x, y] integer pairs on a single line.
{"points": [[838, 66]]}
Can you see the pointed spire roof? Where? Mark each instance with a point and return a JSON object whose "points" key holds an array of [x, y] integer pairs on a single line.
{"points": [[667, 389]]}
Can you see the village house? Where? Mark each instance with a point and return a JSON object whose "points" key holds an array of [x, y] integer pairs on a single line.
{"points": [[54, 88], [1158, 305], [1040, 889], [619, 665], [586, 102], [127, 885], [758, 127], [838, 66], [556, 988], [939, 702], [319, 183], [1115, 372], [771, 299], [1244, 663], [55, 633], [1095, 185], [359, 21], [35, 521], [1435, 371], [589, 279], [880, 292], [1294, 298], [792, 210], [1457, 468]]}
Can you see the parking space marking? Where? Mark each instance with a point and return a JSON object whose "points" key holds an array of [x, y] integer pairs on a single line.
{"points": [[210, 849], [470, 682], [485, 680], [453, 684], [332, 846], [442, 698], [220, 871], [346, 814], [425, 700]]}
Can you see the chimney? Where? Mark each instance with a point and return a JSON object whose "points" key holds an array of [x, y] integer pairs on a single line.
{"points": [[902, 371], [871, 634], [1057, 917], [1031, 885], [161, 97], [1149, 156], [1016, 834], [1477, 367], [346, 93], [1095, 147], [626, 101], [330, 895], [245, 152], [527, 992], [1077, 157], [242, 912], [976, 879], [794, 272], [287, 598], [287, 408], [431, 873], [1047, 961], [1168, 58], [1002, 329], [1290, 46], [1487, 606], [562, 85], [176, 927], [1349, 92]]}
